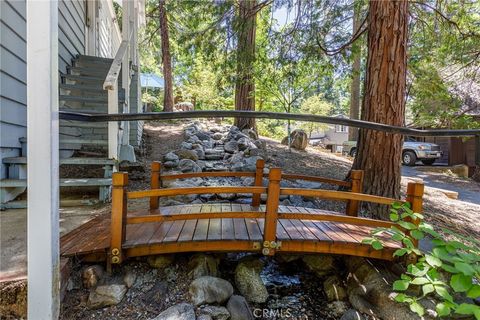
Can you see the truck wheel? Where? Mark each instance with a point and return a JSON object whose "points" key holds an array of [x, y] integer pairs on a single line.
{"points": [[353, 152], [409, 158], [428, 162]]}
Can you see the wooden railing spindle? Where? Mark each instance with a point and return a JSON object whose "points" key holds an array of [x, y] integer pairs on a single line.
{"points": [[155, 182], [357, 187], [414, 197], [271, 216], [258, 181], [119, 216]]}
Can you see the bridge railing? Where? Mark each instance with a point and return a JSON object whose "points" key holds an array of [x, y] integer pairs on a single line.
{"points": [[270, 214]]}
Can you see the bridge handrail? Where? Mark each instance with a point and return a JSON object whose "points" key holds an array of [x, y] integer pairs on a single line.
{"points": [[193, 216], [289, 176], [195, 190], [337, 195], [206, 175]]}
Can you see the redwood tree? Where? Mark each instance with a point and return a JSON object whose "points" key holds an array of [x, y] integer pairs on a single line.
{"points": [[379, 153], [245, 84], [355, 85], [166, 58]]}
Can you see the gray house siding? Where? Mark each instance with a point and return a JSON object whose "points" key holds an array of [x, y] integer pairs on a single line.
{"points": [[13, 67]]}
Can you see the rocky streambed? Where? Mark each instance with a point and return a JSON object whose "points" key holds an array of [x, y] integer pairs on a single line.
{"points": [[232, 286]]}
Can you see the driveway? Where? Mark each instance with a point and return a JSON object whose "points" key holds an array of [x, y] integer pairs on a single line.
{"points": [[468, 190]]}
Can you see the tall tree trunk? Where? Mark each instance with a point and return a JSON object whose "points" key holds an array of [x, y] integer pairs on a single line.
{"points": [[245, 84], [379, 154], [355, 85], [166, 59]]}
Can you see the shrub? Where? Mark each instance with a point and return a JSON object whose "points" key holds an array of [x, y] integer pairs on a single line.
{"points": [[450, 273]]}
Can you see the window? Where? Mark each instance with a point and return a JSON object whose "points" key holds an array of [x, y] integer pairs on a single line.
{"points": [[341, 128]]}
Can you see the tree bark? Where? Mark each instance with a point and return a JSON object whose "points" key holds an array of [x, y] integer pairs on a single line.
{"points": [[379, 154], [245, 84], [355, 85], [166, 59]]}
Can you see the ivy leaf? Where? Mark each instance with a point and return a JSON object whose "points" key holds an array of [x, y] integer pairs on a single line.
{"points": [[474, 291], [433, 261], [466, 308], [401, 285], [417, 234], [460, 282], [428, 288], [394, 217], [443, 292], [397, 237], [464, 268], [420, 281], [407, 225], [449, 268], [396, 205], [443, 309], [367, 240], [408, 243], [400, 252], [417, 308], [377, 245]]}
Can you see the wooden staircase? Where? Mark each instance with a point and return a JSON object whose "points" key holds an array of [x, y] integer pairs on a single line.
{"points": [[80, 90]]}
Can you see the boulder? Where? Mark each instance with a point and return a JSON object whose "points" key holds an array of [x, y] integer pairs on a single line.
{"points": [[171, 156], [298, 139], [160, 261], [186, 145], [200, 153], [352, 314], [181, 311], [215, 312], [245, 143], [92, 275], [231, 146], [320, 264], [107, 295], [338, 308], [370, 293], [237, 157], [217, 136], [334, 289], [210, 290], [202, 136], [248, 281], [204, 317], [170, 164], [250, 133], [203, 265], [129, 278], [183, 106], [187, 165], [186, 154], [239, 308]]}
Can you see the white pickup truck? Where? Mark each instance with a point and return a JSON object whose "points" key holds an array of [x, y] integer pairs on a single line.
{"points": [[412, 151]]}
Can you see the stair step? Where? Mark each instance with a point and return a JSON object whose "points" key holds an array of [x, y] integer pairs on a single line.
{"points": [[73, 109], [81, 124], [69, 161], [73, 77], [93, 100], [80, 87], [87, 182], [84, 141], [22, 204], [88, 71], [83, 57]]}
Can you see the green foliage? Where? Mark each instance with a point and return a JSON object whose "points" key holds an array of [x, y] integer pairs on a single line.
{"points": [[318, 106], [450, 273]]}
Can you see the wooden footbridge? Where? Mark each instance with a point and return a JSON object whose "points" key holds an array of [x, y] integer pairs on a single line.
{"points": [[230, 227]]}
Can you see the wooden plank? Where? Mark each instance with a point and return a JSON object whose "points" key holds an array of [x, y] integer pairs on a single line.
{"points": [[215, 229], [227, 229], [201, 231], [291, 230], [174, 231], [188, 230], [240, 229], [160, 233]]}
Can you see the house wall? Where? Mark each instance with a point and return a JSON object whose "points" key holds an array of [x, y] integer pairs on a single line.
{"points": [[13, 67]]}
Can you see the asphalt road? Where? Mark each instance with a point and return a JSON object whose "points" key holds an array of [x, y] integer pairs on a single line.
{"points": [[468, 194]]}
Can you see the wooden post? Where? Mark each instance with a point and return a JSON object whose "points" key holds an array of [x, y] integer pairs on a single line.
{"points": [[119, 216], [271, 216], [155, 182], [357, 187], [477, 151], [42, 136], [258, 181], [414, 197]]}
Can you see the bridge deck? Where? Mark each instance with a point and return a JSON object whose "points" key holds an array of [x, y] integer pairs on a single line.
{"points": [[223, 234]]}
